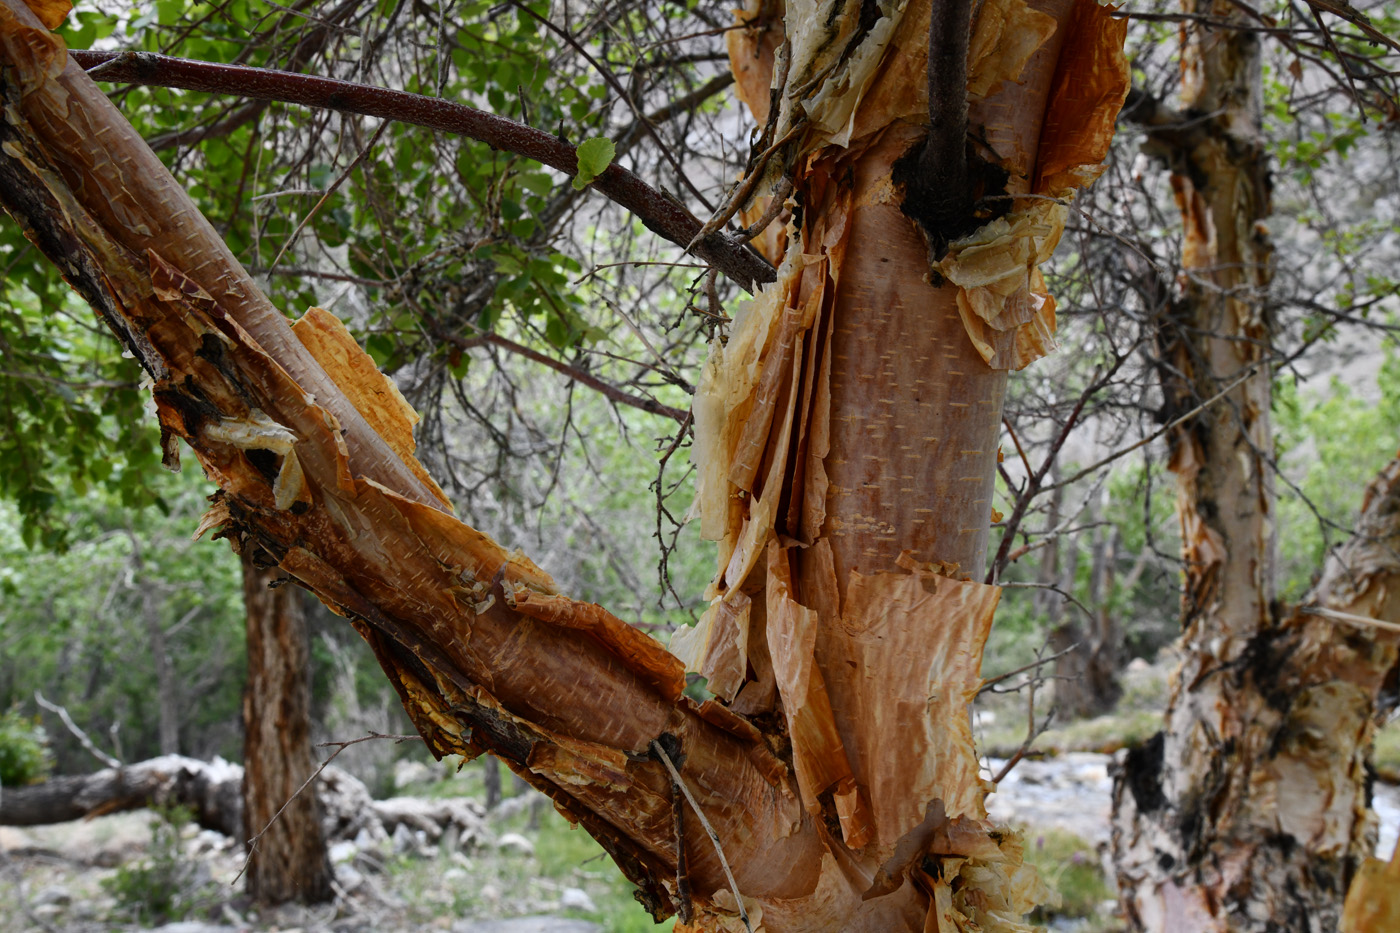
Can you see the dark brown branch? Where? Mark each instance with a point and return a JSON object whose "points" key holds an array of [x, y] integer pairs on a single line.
{"points": [[662, 215], [938, 190], [606, 389]]}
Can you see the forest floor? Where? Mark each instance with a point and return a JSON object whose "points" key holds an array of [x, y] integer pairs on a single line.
{"points": [[140, 871]]}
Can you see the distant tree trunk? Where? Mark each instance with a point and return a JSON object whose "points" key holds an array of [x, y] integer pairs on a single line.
{"points": [[1086, 679], [290, 860], [491, 777], [1247, 812], [167, 689]]}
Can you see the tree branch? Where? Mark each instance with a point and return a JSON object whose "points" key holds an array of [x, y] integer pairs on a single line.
{"points": [[607, 390], [939, 193], [661, 215]]}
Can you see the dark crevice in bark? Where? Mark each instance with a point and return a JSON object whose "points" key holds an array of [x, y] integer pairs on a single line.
{"points": [[1142, 772]]}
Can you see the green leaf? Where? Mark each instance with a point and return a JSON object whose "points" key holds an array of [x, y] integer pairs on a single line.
{"points": [[594, 156]]}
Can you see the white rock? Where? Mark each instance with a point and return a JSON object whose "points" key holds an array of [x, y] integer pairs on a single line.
{"points": [[577, 899], [515, 844], [349, 877], [407, 772], [53, 894], [404, 841], [343, 851]]}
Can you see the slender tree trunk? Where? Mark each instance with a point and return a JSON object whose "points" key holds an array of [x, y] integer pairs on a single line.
{"points": [[167, 689], [1087, 678], [290, 860], [1248, 811], [848, 475], [491, 778]]}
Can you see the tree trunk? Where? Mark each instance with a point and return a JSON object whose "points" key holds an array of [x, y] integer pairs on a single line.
{"points": [[1247, 812], [491, 778], [1086, 679], [848, 473], [167, 690], [290, 860]]}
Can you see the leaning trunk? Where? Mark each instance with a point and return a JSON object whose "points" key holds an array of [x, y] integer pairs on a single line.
{"points": [[282, 825], [849, 439], [1247, 812]]}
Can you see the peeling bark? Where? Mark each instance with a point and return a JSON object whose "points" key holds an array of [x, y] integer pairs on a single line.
{"points": [[1271, 837], [1248, 812], [849, 431]]}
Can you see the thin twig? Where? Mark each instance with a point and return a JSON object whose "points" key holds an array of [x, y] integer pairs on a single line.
{"points": [[1175, 423], [710, 830], [1039, 662], [335, 186], [339, 747]]}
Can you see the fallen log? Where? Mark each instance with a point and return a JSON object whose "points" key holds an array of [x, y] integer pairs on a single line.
{"points": [[212, 792]]}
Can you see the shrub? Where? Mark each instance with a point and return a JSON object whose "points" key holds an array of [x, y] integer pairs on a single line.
{"points": [[165, 886], [24, 750]]}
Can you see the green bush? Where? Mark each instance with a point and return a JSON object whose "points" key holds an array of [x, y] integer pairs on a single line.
{"points": [[24, 750], [165, 886]]}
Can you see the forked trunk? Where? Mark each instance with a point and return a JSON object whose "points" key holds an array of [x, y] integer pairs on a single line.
{"points": [[290, 860], [849, 434], [1248, 811]]}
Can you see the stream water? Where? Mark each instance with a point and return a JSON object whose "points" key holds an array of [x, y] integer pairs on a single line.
{"points": [[1074, 792]]}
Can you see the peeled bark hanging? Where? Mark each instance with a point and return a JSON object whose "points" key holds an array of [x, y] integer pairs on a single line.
{"points": [[290, 860], [1248, 811], [850, 800]]}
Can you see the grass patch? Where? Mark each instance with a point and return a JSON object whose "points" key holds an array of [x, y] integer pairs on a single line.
{"points": [[1387, 752], [1071, 866], [1104, 734]]}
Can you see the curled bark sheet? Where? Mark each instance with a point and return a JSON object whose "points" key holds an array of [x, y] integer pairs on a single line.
{"points": [[1008, 313]]}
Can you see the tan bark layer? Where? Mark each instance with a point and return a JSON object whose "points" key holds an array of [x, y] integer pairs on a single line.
{"points": [[290, 860]]}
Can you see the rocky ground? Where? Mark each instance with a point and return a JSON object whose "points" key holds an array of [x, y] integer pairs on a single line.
{"points": [[524, 871]]}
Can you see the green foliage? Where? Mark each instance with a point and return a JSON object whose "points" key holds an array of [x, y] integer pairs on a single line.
{"points": [[24, 750], [1071, 866], [594, 156], [1387, 752], [78, 624], [164, 886], [1331, 444], [73, 415]]}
